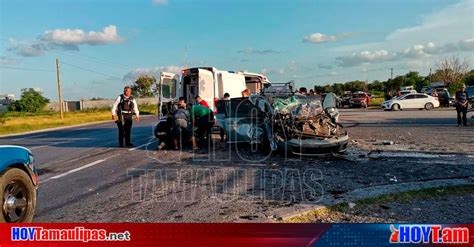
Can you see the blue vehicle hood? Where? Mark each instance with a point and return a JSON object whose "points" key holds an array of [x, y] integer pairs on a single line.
{"points": [[10, 155]]}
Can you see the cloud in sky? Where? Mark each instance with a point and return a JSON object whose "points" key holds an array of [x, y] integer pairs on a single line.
{"points": [[155, 71], [66, 39], [159, 2], [80, 37], [415, 52], [252, 51], [453, 21], [5, 60], [318, 38], [324, 66]]}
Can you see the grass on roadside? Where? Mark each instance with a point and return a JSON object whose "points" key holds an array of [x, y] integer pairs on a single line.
{"points": [[376, 101], [18, 122], [404, 197]]}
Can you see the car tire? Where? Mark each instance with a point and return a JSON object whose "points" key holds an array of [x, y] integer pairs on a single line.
{"points": [[395, 107], [429, 106], [18, 196]]}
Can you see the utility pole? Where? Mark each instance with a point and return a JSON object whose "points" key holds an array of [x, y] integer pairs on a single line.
{"points": [[430, 76], [391, 73], [59, 89]]}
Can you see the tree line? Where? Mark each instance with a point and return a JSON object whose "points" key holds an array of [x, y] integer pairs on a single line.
{"points": [[453, 72]]}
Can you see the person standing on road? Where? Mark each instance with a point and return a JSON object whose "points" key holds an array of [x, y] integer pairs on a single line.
{"points": [[226, 101], [446, 98], [125, 106], [462, 105]]}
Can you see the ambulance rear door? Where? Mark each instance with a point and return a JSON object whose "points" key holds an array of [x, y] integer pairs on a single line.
{"points": [[206, 86], [167, 90]]}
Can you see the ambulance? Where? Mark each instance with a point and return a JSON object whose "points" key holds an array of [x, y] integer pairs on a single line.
{"points": [[254, 82], [208, 82]]}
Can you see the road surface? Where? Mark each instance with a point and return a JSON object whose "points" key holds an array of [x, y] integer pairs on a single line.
{"points": [[85, 177]]}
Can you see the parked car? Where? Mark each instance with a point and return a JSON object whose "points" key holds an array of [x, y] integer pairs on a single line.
{"points": [[279, 119], [411, 101], [359, 99], [345, 99], [405, 92], [18, 184], [470, 93]]}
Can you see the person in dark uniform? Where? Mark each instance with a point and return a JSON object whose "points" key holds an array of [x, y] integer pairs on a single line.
{"points": [[462, 105], [125, 106], [226, 101], [446, 98]]}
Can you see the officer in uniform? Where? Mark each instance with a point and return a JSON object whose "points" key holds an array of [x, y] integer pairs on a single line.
{"points": [[462, 104], [124, 108]]}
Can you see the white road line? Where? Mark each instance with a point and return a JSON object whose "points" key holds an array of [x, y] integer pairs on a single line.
{"points": [[143, 145], [26, 137], [78, 169], [42, 146], [51, 144]]}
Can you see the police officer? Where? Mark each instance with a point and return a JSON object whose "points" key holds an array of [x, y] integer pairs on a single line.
{"points": [[462, 101], [124, 108]]}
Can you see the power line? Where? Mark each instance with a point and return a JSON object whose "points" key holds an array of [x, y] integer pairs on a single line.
{"points": [[94, 59], [28, 69], [93, 71]]}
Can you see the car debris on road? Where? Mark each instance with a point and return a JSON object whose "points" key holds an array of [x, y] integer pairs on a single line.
{"points": [[279, 118]]}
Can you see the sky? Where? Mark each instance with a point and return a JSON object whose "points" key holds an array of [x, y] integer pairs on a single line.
{"points": [[104, 45]]}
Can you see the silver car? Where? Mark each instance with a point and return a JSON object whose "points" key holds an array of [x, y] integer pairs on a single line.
{"points": [[280, 119]]}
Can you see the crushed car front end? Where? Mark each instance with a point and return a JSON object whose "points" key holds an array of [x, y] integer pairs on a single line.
{"points": [[304, 126], [282, 120]]}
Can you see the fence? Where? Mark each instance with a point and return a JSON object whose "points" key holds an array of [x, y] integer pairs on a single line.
{"points": [[93, 104]]}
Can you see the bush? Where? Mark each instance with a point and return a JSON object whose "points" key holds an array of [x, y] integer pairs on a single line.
{"points": [[3, 118], [454, 87], [31, 101]]}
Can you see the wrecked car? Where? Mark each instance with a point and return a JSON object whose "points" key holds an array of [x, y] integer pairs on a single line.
{"points": [[281, 119]]}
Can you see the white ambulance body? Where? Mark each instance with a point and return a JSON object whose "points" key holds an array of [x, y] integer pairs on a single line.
{"points": [[207, 82], [255, 82]]}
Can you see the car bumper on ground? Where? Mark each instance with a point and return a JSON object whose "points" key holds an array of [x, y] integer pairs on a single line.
{"points": [[314, 147]]}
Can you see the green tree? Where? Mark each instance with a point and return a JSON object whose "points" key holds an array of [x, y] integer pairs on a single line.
{"points": [[413, 78], [318, 89], [338, 88], [143, 86], [356, 86], [376, 86], [469, 78], [395, 84], [327, 89], [31, 101]]}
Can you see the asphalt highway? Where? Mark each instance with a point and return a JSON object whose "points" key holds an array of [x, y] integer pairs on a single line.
{"points": [[84, 176]]}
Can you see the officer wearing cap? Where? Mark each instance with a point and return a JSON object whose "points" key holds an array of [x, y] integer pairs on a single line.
{"points": [[125, 106]]}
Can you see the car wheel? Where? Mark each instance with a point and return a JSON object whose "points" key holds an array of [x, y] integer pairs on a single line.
{"points": [[18, 196], [429, 106], [395, 107]]}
